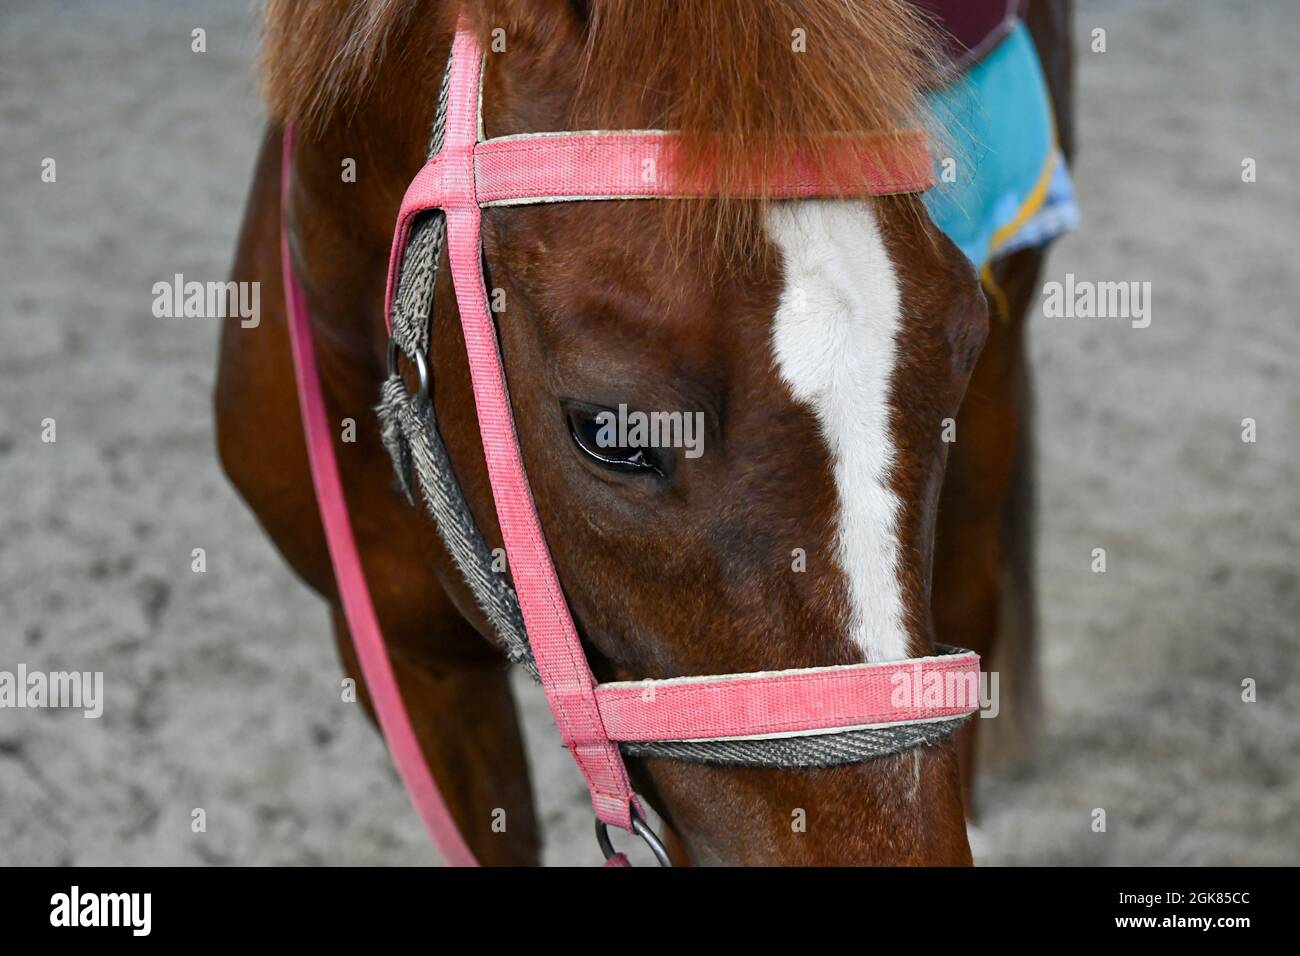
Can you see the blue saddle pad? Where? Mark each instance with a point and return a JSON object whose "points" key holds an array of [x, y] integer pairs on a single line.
{"points": [[1001, 181]]}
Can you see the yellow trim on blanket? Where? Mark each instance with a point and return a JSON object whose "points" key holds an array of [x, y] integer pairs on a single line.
{"points": [[995, 293], [1037, 196]]}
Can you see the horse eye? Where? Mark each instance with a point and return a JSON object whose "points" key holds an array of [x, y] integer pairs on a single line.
{"points": [[595, 431]]}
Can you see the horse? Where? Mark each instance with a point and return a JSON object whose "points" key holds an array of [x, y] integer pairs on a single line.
{"points": [[823, 342]]}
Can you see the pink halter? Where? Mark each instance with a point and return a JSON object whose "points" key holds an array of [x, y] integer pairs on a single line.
{"points": [[466, 175]]}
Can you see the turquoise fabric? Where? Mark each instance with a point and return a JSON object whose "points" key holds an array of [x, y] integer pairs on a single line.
{"points": [[998, 121]]}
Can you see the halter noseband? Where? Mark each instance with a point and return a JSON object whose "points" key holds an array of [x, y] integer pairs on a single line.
{"points": [[810, 717]]}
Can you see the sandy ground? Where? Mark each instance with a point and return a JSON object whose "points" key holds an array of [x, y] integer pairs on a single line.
{"points": [[222, 686]]}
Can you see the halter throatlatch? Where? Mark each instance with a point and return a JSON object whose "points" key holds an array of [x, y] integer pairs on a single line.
{"points": [[811, 717]]}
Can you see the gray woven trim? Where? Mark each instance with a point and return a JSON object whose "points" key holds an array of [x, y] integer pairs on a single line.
{"points": [[413, 303], [412, 438], [800, 753], [411, 435]]}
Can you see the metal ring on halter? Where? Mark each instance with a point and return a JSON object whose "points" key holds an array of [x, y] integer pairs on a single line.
{"points": [[641, 829], [421, 369]]}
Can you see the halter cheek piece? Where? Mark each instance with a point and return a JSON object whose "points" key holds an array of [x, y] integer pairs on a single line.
{"points": [[811, 717]]}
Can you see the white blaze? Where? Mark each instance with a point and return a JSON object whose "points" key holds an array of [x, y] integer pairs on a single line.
{"points": [[833, 336]]}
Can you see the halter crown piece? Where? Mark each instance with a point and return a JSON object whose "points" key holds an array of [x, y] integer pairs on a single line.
{"points": [[811, 717]]}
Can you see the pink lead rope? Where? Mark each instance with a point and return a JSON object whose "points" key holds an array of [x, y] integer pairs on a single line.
{"points": [[465, 175], [350, 577]]}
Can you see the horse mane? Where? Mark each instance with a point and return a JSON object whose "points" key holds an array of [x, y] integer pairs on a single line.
{"points": [[725, 75], [319, 58]]}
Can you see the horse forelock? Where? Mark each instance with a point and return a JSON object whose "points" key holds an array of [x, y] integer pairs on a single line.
{"points": [[738, 81], [743, 81]]}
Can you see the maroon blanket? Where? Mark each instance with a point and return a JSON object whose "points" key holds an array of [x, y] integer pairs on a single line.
{"points": [[974, 26]]}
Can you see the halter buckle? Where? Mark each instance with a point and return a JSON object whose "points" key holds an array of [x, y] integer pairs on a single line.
{"points": [[421, 369], [641, 829]]}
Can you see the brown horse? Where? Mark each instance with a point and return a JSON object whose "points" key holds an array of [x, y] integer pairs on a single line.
{"points": [[824, 343]]}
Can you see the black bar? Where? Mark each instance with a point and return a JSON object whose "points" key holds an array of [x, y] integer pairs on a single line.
{"points": [[947, 907]]}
